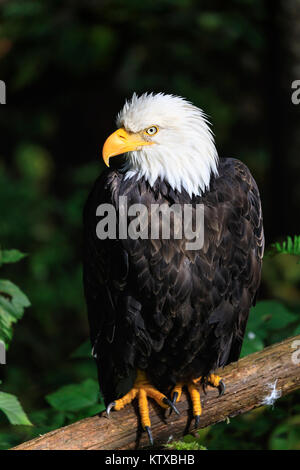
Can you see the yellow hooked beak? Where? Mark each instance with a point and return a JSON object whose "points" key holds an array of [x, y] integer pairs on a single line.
{"points": [[121, 142]]}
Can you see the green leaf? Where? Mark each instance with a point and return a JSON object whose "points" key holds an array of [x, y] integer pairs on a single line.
{"points": [[90, 411], [269, 315], [9, 308], [12, 304], [5, 327], [46, 420], [84, 350], [278, 316], [11, 406], [251, 344], [11, 256], [17, 299], [75, 397]]}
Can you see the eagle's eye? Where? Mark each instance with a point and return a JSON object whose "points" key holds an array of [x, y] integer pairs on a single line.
{"points": [[151, 130]]}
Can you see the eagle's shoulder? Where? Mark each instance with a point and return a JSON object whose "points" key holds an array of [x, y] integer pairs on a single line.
{"points": [[103, 190], [233, 171]]}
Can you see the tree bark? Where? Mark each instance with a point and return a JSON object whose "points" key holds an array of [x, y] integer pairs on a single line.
{"points": [[250, 382]]}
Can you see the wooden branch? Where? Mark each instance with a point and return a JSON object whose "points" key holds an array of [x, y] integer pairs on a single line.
{"points": [[248, 382]]}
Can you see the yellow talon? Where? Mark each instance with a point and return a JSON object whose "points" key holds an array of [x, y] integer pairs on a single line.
{"points": [[142, 389], [177, 392], [194, 394], [213, 380]]}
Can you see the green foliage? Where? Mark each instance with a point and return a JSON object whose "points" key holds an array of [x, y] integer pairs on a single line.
{"points": [[10, 256], [76, 397], [11, 406], [191, 442], [12, 299], [269, 321], [34, 162], [289, 247], [181, 445], [84, 350], [286, 436], [66, 405], [12, 304]]}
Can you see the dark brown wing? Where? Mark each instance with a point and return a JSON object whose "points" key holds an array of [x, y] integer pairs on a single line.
{"points": [[235, 231], [116, 327], [250, 240]]}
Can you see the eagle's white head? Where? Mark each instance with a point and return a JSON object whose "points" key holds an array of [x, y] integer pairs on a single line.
{"points": [[167, 137]]}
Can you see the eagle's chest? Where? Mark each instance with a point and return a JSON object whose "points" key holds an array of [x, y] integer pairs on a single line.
{"points": [[163, 233]]}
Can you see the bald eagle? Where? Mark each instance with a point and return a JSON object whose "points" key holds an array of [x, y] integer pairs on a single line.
{"points": [[163, 317]]}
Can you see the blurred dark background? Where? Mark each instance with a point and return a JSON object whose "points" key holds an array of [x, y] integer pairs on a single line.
{"points": [[68, 67]]}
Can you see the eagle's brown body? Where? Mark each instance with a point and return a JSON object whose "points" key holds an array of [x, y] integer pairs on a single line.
{"points": [[154, 305]]}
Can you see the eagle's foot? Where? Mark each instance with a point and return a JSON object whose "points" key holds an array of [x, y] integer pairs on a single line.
{"points": [[142, 389], [212, 380], [194, 395]]}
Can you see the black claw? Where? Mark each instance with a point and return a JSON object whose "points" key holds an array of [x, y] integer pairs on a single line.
{"points": [[204, 386], [110, 406], [174, 399], [197, 421], [148, 431], [221, 388], [166, 401]]}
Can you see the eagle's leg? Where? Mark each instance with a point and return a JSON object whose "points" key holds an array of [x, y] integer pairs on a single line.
{"points": [[142, 389], [195, 398]]}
